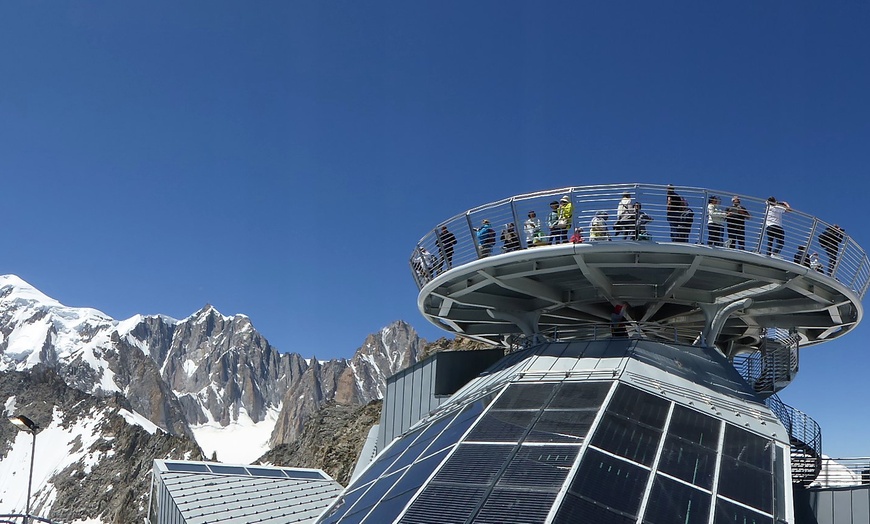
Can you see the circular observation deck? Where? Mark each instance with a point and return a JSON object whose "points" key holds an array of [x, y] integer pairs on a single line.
{"points": [[681, 280]]}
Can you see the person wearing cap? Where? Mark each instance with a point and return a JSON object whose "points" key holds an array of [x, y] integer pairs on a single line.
{"points": [[485, 239], [532, 227], [566, 217], [735, 218]]}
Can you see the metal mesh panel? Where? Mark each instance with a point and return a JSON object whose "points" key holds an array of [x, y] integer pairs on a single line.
{"points": [[542, 467], [502, 426], [515, 506], [444, 504], [524, 396], [562, 426], [474, 464]]}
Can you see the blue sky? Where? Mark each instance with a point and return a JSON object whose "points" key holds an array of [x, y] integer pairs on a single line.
{"points": [[281, 159]]}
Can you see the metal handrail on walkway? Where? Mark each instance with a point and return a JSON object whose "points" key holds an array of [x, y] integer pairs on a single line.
{"points": [[589, 331], [455, 241], [806, 440]]}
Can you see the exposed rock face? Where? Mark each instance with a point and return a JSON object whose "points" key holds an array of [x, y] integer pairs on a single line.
{"points": [[332, 440], [351, 382], [105, 474]]}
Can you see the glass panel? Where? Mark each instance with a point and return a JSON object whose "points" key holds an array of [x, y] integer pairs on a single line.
{"points": [[562, 426], [344, 504], [672, 502], [610, 482], [458, 427], [383, 461], [627, 438], [389, 509], [689, 462], [746, 471], [524, 396], [580, 395], [748, 447], [695, 427], [502, 426], [779, 483], [371, 497], [420, 445], [539, 467], [228, 470], [729, 513], [515, 506], [181, 466], [639, 406], [264, 472], [577, 510], [302, 474]]}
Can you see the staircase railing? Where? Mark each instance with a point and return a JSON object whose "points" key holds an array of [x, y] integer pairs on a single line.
{"points": [[773, 366], [805, 437]]}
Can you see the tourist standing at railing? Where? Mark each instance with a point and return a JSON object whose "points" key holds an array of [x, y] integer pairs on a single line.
{"points": [[830, 239], [566, 217], [510, 238], [639, 220], [532, 227], [553, 222], [680, 216], [446, 241], [773, 226], [485, 239], [715, 222], [736, 216], [624, 223], [598, 227]]}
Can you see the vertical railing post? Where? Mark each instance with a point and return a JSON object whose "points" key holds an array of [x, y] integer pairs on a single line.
{"points": [[518, 226], [473, 234]]}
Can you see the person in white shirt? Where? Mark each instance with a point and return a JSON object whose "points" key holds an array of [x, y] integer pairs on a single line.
{"points": [[715, 222], [773, 225], [624, 223]]}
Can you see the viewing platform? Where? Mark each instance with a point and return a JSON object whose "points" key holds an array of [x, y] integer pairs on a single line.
{"points": [[679, 280]]}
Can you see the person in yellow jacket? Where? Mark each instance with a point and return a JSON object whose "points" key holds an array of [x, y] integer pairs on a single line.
{"points": [[566, 216]]}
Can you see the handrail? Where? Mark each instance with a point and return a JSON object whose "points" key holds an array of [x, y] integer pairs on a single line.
{"points": [[774, 365], [806, 440], [843, 472], [588, 331], [847, 262]]}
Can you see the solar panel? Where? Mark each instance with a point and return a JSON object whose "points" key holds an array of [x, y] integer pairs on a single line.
{"points": [[227, 470], [186, 467]]}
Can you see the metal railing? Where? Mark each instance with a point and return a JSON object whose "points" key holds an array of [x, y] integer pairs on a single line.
{"points": [[676, 334], [774, 365], [843, 472], [805, 436], [457, 243]]}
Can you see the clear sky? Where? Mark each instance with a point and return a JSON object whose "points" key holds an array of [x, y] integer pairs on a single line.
{"points": [[281, 159]]}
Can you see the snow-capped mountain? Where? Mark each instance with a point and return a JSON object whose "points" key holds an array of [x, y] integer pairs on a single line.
{"points": [[208, 377]]}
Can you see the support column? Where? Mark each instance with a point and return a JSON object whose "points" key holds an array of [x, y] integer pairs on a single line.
{"points": [[715, 316]]}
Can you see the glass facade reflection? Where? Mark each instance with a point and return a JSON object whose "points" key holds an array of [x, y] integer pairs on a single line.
{"points": [[572, 451]]}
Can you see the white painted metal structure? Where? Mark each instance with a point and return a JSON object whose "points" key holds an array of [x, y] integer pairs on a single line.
{"points": [[688, 291]]}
